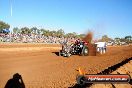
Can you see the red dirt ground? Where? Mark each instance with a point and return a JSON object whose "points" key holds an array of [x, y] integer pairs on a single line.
{"points": [[40, 67]]}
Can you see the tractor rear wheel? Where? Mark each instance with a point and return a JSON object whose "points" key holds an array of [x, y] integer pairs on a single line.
{"points": [[85, 51]]}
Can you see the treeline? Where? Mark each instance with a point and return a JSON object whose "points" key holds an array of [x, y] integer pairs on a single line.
{"points": [[4, 28], [126, 39], [35, 30]]}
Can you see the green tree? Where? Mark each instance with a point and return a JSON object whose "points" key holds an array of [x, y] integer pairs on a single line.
{"points": [[45, 32], [81, 36], [60, 33], [122, 40], [3, 25], [105, 38], [25, 30], [34, 30], [53, 33], [38, 31], [70, 35], [42, 31], [16, 30], [128, 39], [74, 34]]}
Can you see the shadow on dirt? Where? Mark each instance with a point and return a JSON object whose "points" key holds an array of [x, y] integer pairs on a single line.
{"points": [[56, 53], [15, 82]]}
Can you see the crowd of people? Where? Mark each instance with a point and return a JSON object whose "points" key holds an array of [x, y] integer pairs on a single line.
{"points": [[33, 38]]}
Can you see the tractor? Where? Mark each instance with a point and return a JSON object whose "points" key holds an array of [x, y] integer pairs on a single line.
{"points": [[77, 48], [82, 47]]}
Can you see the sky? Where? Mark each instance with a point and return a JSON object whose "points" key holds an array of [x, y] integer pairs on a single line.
{"points": [[110, 17]]}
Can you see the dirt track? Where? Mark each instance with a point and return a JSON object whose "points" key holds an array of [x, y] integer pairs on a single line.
{"points": [[40, 67]]}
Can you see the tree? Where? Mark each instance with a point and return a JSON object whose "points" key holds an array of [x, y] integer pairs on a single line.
{"points": [[128, 39], [34, 30], [70, 35], [16, 30], [53, 33], [25, 30], [3, 26], [60, 33], [105, 38], [74, 34], [38, 31], [45, 32], [122, 40], [42, 31], [81, 36]]}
